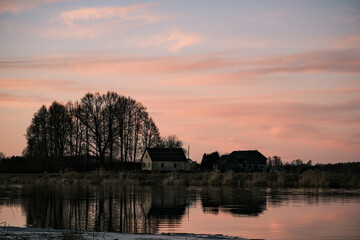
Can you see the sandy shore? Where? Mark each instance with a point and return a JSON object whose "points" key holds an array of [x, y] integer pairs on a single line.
{"points": [[45, 234]]}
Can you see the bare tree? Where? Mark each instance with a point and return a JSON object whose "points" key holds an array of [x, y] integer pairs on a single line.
{"points": [[171, 141], [93, 117], [150, 133], [104, 127], [2, 156], [58, 131], [37, 137]]}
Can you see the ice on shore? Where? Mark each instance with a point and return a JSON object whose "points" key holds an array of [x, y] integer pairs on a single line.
{"points": [[45, 234]]}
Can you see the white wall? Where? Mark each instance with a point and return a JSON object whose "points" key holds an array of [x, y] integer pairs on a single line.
{"points": [[169, 166]]}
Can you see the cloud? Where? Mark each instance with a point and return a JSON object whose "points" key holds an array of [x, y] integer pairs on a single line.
{"points": [[94, 22], [16, 6], [178, 40], [259, 120], [78, 32], [352, 41], [353, 10], [325, 60], [236, 68], [20, 101], [127, 13], [171, 41], [37, 84]]}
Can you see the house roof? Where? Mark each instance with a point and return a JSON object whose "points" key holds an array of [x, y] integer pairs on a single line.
{"points": [[239, 156], [167, 154], [243, 155]]}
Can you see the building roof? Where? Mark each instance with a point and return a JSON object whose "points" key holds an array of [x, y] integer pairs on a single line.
{"points": [[243, 155], [240, 157], [167, 154]]}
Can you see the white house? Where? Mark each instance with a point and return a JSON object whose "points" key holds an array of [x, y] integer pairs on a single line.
{"points": [[164, 159]]}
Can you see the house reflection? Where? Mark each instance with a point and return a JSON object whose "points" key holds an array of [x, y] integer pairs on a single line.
{"points": [[164, 205], [235, 201]]}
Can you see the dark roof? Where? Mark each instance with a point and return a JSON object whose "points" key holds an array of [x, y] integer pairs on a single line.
{"points": [[241, 157], [167, 154]]}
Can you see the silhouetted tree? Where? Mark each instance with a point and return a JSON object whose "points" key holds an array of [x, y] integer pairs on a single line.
{"points": [[150, 133], [297, 162], [58, 131], [76, 146], [37, 137], [102, 127], [2, 156], [171, 141], [274, 161], [208, 161]]}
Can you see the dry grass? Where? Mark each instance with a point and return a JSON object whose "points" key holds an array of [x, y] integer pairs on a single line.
{"points": [[306, 179]]}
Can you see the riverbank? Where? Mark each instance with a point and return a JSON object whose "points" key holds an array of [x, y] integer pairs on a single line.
{"points": [[46, 234], [288, 180]]}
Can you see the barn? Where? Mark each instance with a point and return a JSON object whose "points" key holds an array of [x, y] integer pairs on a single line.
{"points": [[249, 160]]}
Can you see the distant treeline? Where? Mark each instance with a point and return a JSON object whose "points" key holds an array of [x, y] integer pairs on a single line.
{"points": [[105, 130], [275, 164], [298, 166], [16, 164]]}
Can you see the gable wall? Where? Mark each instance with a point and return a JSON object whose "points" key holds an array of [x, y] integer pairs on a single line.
{"points": [[146, 161]]}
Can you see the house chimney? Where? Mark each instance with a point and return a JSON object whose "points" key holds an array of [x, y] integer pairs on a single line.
{"points": [[188, 151]]}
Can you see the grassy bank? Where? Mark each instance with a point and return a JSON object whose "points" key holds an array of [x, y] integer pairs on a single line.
{"points": [[306, 179]]}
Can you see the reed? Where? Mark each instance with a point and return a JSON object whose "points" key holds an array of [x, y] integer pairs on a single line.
{"points": [[307, 179]]}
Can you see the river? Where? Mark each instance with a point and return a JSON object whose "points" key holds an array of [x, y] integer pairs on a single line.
{"points": [[249, 213]]}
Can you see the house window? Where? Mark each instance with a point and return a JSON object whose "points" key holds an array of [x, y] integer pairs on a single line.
{"points": [[162, 165], [174, 165]]}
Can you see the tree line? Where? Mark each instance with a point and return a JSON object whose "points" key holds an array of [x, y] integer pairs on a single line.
{"points": [[275, 163], [100, 130]]}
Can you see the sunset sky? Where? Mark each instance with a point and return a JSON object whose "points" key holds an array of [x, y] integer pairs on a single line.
{"points": [[282, 77]]}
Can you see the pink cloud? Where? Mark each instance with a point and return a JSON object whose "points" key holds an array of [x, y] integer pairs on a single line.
{"points": [[328, 60], [95, 22], [48, 85], [127, 13], [352, 41], [178, 40], [171, 41], [32, 83], [18, 101], [255, 122], [325, 60], [78, 32], [15, 6]]}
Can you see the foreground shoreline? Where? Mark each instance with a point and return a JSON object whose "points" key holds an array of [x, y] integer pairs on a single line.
{"points": [[309, 179], [45, 234]]}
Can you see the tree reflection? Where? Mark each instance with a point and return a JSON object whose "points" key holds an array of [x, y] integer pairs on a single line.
{"points": [[146, 209], [103, 208]]}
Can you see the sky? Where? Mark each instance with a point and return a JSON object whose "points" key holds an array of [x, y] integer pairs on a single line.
{"points": [[282, 77]]}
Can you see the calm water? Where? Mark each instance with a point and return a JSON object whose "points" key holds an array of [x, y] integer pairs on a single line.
{"points": [[259, 213]]}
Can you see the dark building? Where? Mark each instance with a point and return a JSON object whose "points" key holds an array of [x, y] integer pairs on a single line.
{"points": [[251, 160]]}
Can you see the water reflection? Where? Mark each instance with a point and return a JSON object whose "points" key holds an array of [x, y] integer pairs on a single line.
{"points": [[154, 209], [236, 201], [99, 208]]}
